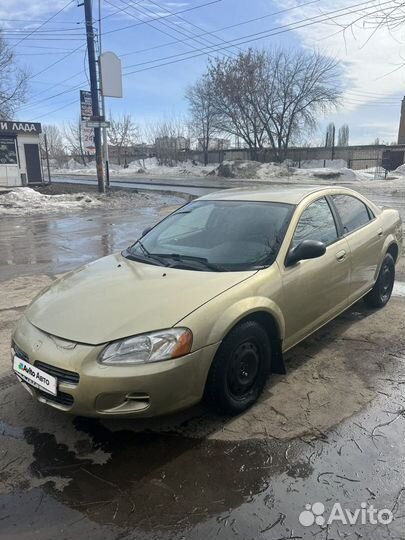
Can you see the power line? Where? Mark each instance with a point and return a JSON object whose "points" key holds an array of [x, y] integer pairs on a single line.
{"points": [[180, 18], [38, 54], [69, 89], [48, 98], [45, 22], [162, 22], [259, 35], [155, 18], [38, 21], [169, 24], [54, 63], [56, 110], [213, 32]]}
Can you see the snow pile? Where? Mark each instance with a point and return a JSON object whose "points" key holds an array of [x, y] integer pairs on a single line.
{"points": [[20, 200], [151, 166], [399, 171], [141, 166], [254, 170], [341, 174], [23, 201], [321, 163], [250, 170]]}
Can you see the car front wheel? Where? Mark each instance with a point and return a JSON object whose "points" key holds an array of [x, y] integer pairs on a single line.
{"points": [[239, 370], [381, 292]]}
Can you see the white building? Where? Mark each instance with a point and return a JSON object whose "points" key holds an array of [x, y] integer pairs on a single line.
{"points": [[215, 143], [20, 158]]}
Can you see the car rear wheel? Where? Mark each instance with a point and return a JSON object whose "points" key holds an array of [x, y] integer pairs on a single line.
{"points": [[239, 370], [381, 292]]}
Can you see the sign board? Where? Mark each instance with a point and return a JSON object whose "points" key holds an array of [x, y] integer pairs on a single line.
{"points": [[20, 127], [86, 108], [111, 75], [86, 112], [96, 124]]}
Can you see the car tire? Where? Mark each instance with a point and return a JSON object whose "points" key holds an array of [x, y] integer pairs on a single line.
{"points": [[240, 369], [381, 292]]}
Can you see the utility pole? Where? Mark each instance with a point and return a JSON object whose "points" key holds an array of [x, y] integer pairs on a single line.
{"points": [[47, 157], [94, 91], [105, 138]]}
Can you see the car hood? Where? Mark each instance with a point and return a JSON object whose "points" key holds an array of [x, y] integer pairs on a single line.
{"points": [[114, 297]]}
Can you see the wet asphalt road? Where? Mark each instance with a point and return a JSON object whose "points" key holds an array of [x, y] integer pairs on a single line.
{"points": [[332, 430]]}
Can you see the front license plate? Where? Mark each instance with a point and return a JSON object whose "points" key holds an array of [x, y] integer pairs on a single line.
{"points": [[35, 376]]}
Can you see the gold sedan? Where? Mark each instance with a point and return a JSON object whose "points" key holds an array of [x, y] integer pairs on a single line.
{"points": [[206, 302]]}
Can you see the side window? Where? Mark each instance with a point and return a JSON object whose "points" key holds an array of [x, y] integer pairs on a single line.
{"points": [[316, 223], [352, 211]]}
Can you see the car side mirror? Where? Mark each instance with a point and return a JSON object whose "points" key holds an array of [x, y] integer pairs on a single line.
{"points": [[145, 231], [307, 249]]}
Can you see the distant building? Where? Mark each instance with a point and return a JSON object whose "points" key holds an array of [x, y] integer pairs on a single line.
{"points": [[135, 150], [215, 143], [401, 132], [176, 144]]}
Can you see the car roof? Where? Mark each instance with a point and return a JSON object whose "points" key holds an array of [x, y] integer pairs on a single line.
{"points": [[281, 194]]}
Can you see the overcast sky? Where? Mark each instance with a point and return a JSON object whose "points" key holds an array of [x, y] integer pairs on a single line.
{"points": [[144, 35]]}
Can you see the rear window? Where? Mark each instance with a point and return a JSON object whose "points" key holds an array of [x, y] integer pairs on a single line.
{"points": [[353, 212]]}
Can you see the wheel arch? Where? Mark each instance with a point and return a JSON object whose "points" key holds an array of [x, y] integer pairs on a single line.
{"points": [[269, 316], [390, 246]]}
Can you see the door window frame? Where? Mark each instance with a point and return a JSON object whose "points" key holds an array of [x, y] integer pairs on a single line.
{"points": [[372, 217], [335, 217]]}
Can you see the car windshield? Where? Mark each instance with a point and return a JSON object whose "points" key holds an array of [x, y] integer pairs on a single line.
{"points": [[216, 236]]}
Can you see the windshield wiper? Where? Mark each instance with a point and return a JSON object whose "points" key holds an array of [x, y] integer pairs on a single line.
{"points": [[202, 261], [147, 254]]}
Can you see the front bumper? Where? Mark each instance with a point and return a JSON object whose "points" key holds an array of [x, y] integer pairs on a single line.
{"points": [[143, 390]]}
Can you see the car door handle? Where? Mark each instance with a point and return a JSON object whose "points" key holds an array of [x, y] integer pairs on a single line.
{"points": [[341, 255], [379, 232]]}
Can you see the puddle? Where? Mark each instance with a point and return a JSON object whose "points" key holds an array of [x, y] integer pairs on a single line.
{"points": [[170, 474]]}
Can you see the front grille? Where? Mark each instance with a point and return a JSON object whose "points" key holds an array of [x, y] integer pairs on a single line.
{"points": [[62, 398], [63, 375], [19, 352]]}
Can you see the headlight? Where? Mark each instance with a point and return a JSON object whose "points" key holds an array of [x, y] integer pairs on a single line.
{"points": [[151, 347]]}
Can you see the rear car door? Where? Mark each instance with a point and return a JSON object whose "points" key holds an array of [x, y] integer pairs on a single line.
{"points": [[365, 236], [317, 289]]}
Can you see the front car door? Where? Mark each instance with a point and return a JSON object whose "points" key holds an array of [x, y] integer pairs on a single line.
{"points": [[315, 290], [365, 237]]}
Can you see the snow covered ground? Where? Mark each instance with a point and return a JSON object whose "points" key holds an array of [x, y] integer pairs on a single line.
{"points": [[335, 172], [141, 166], [336, 169], [23, 201]]}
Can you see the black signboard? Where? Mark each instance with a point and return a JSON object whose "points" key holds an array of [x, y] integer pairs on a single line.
{"points": [[86, 108], [29, 128], [8, 153], [391, 159]]}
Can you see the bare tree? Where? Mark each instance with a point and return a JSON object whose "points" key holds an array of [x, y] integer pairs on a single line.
{"points": [[344, 135], [300, 86], [55, 145], [171, 139], [123, 133], [73, 134], [13, 82], [235, 83], [330, 135], [273, 96], [200, 97]]}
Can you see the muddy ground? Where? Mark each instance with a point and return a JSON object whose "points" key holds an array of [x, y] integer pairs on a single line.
{"points": [[331, 430]]}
